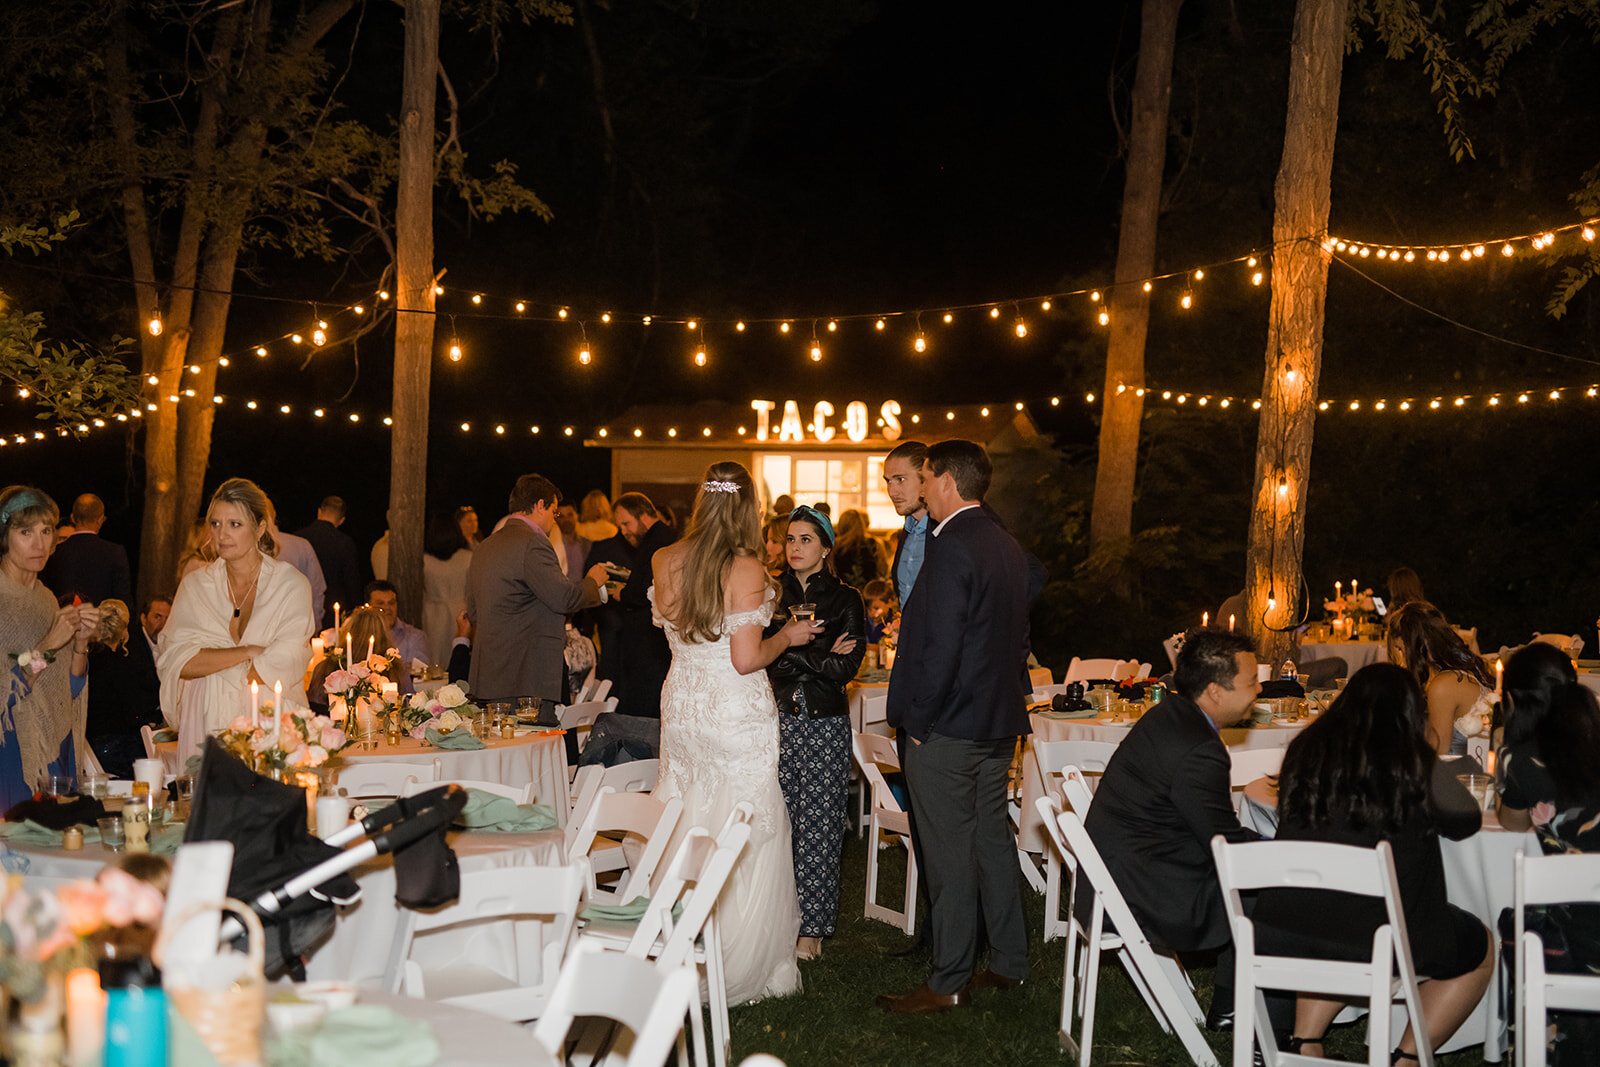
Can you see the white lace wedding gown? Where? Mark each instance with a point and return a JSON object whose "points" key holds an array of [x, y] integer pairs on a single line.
{"points": [[719, 745]]}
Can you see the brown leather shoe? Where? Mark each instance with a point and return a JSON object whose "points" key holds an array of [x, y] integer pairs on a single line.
{"points": [[987, 979], [923, 1001]]}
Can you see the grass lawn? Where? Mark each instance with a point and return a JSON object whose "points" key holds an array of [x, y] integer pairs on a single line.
{"points": [[834, 1020]]}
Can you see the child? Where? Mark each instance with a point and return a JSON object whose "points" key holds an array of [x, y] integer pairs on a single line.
{"points": [[879, 595]]}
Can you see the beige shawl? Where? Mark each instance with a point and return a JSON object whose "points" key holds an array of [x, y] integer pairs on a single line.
{"points": [[42, 703], [280, 622]]}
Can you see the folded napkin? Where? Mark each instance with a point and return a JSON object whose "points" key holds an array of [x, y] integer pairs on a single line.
{"points": [[631, 912], [29, 832], [163, 842], [455, 740], [873, 675], [1086, 713], [487, 811], [365, 1035]]}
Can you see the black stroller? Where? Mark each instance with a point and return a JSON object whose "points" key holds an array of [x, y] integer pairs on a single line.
{"points": [[293, 880]]}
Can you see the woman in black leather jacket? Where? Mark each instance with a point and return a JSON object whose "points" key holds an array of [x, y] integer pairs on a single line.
{"points": [[813, 719]]}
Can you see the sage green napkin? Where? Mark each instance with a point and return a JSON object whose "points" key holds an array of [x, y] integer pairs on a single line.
{"points": [[455, 740], [29, 832], [163, 842], [365, 1035], [487, 811], [164, 735]]}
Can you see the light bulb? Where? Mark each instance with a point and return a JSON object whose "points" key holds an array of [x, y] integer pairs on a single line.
{"points": [[583, 356], [647, 320], [1199, 274], [455, 351], [1289, 375], [1405, 405], [739, 326], [1410, 255], [1588, 233], [1095, 296], [359, 310], [1250, 262], [879, 324], [920, 344], [1147, 287], [692, 324], [1022, 328], [605, 316], [1507, 250], [994, 313], [1105, 318], [1255, 279], [700, 357], [521, 307], [832, 326], [438, 290], [1088, 398], [150, 379], [949, 318], [155, 327], [562, 313], [784, 328], [296, 338], [383, 294], [478, 299], [1045, 306], [500, 429], [261, 351], [319, 337], [1187, 301], [816, 352]]}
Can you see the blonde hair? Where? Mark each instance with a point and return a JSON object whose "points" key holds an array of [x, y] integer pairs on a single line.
{"points": [[365, 623], [724, 526], [248, 497], [595, 508], [112, 629], [852, 529], [198, 546]]}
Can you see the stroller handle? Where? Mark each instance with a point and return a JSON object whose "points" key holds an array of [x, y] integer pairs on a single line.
{"points": [[413, 818]]}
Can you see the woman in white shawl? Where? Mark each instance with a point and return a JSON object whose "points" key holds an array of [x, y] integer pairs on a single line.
{"points": [[245, 617]]}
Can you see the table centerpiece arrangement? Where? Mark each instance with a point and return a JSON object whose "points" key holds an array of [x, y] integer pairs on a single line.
{"points": [[443, 711], [284, 744]]}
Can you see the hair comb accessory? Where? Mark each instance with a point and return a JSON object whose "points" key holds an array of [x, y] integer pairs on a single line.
{"points": [[721, 487], [805, 513]]}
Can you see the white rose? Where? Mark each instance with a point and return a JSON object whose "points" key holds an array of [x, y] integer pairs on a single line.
{"points": [[450, 696], [449, 721]]}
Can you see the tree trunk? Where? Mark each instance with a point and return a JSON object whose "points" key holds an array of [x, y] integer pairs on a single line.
{"points": [[1122, 408], [1294, 331], [413, 344]]}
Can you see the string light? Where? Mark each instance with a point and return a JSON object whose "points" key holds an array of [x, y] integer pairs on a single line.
{"points": [[477, 298], [583, 346], [521, 307], [154, 326]]}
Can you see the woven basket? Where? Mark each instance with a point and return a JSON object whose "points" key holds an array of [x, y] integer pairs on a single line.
{"points": [[228, 1021]]}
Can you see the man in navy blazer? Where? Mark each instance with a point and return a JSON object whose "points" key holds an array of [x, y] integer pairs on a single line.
{"points": [[86, 564], [961, 710]]}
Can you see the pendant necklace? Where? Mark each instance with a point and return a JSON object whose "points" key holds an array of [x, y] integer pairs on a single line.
{"points": [[239, 604]]}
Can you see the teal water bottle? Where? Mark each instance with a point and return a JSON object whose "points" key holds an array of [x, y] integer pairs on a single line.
{"points": [[136, 1013]]}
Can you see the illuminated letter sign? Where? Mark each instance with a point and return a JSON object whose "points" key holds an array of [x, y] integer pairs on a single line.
{"points": [[763, 410], [791, 429], [819, 422], [855, 420], [891, 420]]}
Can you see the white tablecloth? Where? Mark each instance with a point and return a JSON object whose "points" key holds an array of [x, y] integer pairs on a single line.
{"points": [[1356, 654], [1477, 878], [1031, 833], [467, 1038], [358, 949], [539, 757]]}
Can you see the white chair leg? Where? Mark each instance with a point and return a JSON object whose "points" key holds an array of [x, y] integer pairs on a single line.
{"points": [[1091, 986]]}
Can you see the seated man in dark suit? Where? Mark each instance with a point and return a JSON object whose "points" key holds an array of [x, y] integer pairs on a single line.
{"points": [[1163, 797]]}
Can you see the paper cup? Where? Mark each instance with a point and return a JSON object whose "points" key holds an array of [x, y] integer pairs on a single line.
{"points": [[151, 771]]}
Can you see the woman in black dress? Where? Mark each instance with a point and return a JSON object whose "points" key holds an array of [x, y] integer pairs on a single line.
{"points": [[813, 719], [1549, 782], [1363, 773]]}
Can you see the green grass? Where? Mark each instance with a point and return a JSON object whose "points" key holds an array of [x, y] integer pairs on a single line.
{"points": [[834, 1020]]}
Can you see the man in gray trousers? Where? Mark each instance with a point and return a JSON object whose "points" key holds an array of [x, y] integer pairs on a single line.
{"points": [[962, 709]]}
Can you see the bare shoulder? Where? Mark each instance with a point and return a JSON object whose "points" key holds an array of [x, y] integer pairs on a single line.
{"points": [[1457, 687]]}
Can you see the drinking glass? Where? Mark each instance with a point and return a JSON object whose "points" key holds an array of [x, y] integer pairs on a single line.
{"points": [[96, 785], [1481, 786], [803, 612], [112, 835], [57, 786]]}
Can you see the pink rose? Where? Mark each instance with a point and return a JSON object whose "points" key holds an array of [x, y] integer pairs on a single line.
{"points": [[83, 906], [316, 756], [339, 681], [332, 738], [361, 671], [419, 732], [297, 756], [1542, 812], [37, 664], [243, 724], [128, 900]]}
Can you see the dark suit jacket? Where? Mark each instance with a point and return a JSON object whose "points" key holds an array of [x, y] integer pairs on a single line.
{"points": [[605, 620], [341, 566], [642, 658], [965, 631], [1163, 797], [520, 600], [89, 566]]}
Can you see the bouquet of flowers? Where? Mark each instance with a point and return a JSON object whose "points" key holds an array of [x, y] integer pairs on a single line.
{"points": [[444, 709], [44, 934], [282, 742], [1359, 604], [361, 679]]}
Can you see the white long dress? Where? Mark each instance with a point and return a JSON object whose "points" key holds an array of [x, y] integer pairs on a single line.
{"points": [[719, 746]]}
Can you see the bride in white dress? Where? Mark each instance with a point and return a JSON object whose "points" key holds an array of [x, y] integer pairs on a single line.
{"points": [[719, 725]]}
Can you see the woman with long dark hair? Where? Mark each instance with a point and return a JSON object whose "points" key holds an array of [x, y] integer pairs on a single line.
{"points": [[814, 719], [719, 725], [1364, 772], [1454, 679], [1549, 782]]}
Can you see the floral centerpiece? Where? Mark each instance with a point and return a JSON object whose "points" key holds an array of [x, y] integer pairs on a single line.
{"points": [[293, 740], [446, 708], [362, 680], [45, 934]]}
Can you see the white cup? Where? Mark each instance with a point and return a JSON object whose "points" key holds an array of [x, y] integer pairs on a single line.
{"points": [[333, 815], [151, 771]]}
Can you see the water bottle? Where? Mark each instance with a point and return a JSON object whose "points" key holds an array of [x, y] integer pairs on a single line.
{"points": [[1288, 672], [136, 1013]]}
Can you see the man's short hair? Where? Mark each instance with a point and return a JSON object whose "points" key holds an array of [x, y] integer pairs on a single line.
{"points": [[636, 504], [531, 490], [153, 600], [334, 504], [966, 462], [913, 452], [378, 586], [1208, 656], [88, 508]]}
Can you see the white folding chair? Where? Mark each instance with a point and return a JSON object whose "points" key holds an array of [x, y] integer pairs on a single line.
{"points": [[1038, 676], [649, 1000], [1568, 643], [578, 717], [1128, 670], [1042, 694], [874, 720], [1469, 635], [370, 778], [874, 753], [521, 794], [542, 905], [1082, 670], [1052, 758], [1160, 980], [586, 690], [1367, 872], [1540, 880], [147, 734], [621, 816], [635, 776], [92, 761]]}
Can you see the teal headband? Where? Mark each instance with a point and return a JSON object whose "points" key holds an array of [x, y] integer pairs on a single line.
{"points": [[816, 518], [28, 498]]}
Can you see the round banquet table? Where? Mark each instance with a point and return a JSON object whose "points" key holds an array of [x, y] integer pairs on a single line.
{"points": [[1477, 878], [1047, 726], [538, 757], [467, 1038], [1356, 654]]}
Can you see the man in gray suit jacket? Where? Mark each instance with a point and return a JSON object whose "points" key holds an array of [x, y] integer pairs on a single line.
{"points": [[520, 600]]}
